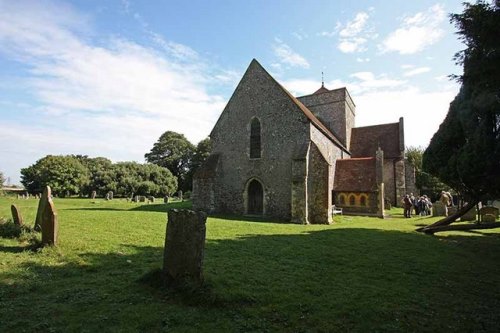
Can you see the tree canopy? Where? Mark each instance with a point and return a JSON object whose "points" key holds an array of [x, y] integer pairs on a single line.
{"points": [[66, 175], [465, 151], [79, 174], [424, 181], [174, 152]]}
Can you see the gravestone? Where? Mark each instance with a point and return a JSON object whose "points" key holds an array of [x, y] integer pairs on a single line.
{"points": [[136, 199], [110, 195], [470, 215], [184, 246], [151, 199], [180, 195], [46, 218], [93, 195], [142, 198], [16, 215], [439, 209], [488, 214], [165, 199], [452, 210], [107, 196]]}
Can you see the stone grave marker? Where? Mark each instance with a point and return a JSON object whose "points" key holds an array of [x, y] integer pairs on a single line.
{"points": [[151, 199], [142, 198], [110, 195], [184, 246], [439, 209], [46, 218], [16, 215], [93, 195], [470, 215], [165, 199], [488, 214]]}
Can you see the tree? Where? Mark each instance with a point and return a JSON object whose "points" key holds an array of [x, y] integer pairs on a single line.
{"points": [[2, 179], [174, 152], [465, 151], [65, 175], [424, 181]]}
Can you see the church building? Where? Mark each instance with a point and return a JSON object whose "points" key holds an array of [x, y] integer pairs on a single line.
{"points": [[291, 158]]}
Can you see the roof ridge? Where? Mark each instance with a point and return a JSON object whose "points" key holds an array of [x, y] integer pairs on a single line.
{"points": [[308, 113]]}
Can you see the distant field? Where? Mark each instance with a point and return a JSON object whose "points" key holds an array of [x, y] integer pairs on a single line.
{"points": [[360, 274]]}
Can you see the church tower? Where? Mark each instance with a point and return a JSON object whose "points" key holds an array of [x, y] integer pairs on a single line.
{"points": [[335, 109]]}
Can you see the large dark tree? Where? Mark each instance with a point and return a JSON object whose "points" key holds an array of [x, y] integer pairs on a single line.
{"points": [[465, 151], [174, 152]]}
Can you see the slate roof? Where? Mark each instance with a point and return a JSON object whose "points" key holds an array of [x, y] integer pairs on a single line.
{"points": [[366, 140], [355, 175]]}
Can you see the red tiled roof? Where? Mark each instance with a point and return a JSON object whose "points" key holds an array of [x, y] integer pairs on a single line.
{"points": [[355, 175], [366, 140]]}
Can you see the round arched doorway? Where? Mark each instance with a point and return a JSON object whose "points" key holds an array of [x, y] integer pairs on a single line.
{"points": [[255, 195]]}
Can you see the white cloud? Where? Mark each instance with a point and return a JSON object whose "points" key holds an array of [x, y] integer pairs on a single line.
{"points": [[362, 59], [354, 34], [287, 56], [416, 71], [113, 100], [416, 32]]}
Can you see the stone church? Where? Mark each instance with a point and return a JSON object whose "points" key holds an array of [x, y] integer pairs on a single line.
{"points": [[291, 158]]}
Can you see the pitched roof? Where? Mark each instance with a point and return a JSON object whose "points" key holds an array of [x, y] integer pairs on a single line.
{"points": [[366, 140], [315, 121], [355, 175], [321, 90]]}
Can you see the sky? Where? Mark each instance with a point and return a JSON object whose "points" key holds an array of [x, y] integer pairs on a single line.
{"points": [[108, 77]]}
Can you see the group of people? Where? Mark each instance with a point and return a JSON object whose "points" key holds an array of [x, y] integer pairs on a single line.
{"points": [[420, 205]]}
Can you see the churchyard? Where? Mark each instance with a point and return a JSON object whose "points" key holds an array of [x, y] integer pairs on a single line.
{"points": [[359, 274]]}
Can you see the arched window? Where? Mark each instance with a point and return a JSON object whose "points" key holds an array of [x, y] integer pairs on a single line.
{"points": [[255, 138], [362, 200], [352, 200], [342, 200]]}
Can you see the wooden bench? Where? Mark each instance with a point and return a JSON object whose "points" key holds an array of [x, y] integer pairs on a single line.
{"points": [[336, 210]]}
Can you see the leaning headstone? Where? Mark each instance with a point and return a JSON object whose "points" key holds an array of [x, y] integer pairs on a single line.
{"points": [[93, 195], [16, 215], [470, 215], [151, 199], [41, 207], [46, 218], [165, 199], [184, 246], [438, 209]]}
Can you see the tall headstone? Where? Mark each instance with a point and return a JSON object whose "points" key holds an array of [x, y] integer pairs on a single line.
{"points": [[180, 196], [93, 195], [439, 209], [184, 246], [46, 218], [110, 195], [165, 199], [16, 215]]}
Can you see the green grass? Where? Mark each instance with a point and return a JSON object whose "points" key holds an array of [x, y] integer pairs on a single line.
{"points": [[360, 274]]}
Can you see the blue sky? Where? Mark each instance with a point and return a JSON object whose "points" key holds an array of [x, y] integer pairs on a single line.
{"points": [[107, 78]]}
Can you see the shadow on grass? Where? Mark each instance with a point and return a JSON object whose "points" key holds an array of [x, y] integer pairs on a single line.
{"points": [[330, 280]]}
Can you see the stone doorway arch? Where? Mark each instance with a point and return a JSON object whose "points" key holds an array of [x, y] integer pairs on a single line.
{"points": [[254, 198]]}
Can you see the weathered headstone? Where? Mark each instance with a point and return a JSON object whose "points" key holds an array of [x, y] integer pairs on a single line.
{"points": [[439, 209], [110, 195], [470, 215], [46, 218], [180, 195], [184, 246], [488, 214], [142, 198], [452, 210], [151, 199], [136, 199], [16, 215], [93, 195], [165, 199]]}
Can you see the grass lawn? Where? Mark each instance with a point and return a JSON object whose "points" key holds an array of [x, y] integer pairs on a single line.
{"points": [[360, 274]]}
